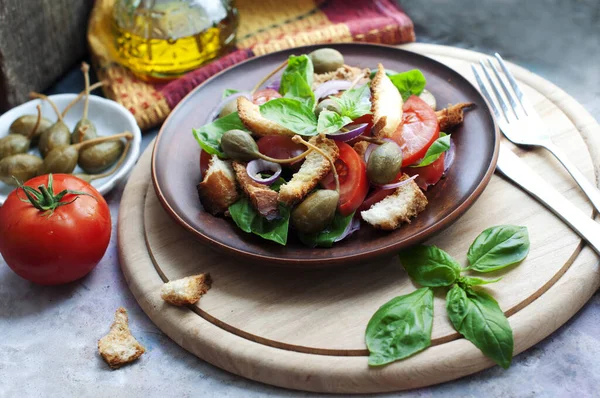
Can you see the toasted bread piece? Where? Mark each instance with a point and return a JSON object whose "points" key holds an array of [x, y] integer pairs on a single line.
{"points": [[119, 347], [263, 198], [314, 168], [345, 72], [218, 189], [452, 115], [361, 147], [249, 114], [397, 208], [186, 290], [387, 105]]}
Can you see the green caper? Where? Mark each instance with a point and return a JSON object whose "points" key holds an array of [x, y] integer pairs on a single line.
{"points": [[84, 130], [229, 108], [13, 144], [22, 166], [239, 145], [315, 212], [61, 160], [326, 60], [25, 124], [327, 104], [100, 157], [388, 72], [56, 136], [428, 98], [384, 163]]}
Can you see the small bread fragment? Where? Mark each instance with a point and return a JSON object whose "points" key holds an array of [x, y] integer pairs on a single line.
{"points": [[452, 115], [119, 347], [387, 105], [344, 72], [186, 290], [314, 168], [397, 208], [249, 114], [218, 189], [361, 147], [263, 198]]}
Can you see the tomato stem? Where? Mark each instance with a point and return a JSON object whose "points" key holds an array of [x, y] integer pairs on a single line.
{"points": [[45, 200]]}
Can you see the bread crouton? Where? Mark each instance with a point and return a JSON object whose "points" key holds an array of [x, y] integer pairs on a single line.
{"points": [[344, 72], [186, 290], [119, 347], [263, 198], [397, 208], [387, 105], [249, 114], [314, 168], [361, 147], [452, 115], [218, 189]]}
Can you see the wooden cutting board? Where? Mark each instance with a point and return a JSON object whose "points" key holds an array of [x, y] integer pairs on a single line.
{"points": [[305, 329]]}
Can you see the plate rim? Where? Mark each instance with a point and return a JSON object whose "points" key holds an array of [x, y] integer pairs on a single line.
{"points": [[320, 262]]}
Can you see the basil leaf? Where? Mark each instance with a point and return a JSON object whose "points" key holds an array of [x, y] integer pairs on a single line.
{"points": [[327, 237], [409, 83], [291, 114], [436, 149], [354, 103], [400, 328], [298, 89], [209, 135], [249, 220], [330, 122], [498, 247], [471, 281], [430, 266], [297, 64], [477, 316], [228, 92]]}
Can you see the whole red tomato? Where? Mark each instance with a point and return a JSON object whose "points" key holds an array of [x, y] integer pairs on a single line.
{"points": [[60, 240]]}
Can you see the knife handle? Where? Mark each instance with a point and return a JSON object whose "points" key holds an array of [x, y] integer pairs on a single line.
{"points": [[519, 172]]}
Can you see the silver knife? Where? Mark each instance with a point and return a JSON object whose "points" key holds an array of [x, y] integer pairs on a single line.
{"points": [[521, 174]]}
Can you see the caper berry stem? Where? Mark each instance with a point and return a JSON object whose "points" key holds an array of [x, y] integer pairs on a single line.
{"points": [[81, 94], [285, 161], [37, 122], [372, 140], [298, 139], [127, 135], [260, 83], [33, 94], [85, 68]]}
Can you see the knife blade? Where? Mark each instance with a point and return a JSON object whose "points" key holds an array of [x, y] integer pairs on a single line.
{"points": [[516, 170]]}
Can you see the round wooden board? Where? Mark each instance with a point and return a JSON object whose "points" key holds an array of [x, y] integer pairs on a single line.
{"points": [[305, 329]]}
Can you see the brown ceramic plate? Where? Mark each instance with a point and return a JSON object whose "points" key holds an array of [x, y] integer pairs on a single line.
{"points": [[175, 164]]}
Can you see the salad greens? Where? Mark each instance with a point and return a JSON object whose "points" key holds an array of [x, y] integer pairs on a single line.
{"points": [[297, 64], [355, 102], [409, 83], [329, 122], [291, 114], [436, 149], [249, 220], [473, 313], [229, 91], [209, 135], [327, 237]]}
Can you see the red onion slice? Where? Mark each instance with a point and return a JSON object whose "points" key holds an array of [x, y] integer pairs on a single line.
{"points": [[397, 184], [354, 130], [331, 87], [255, 167], [449, 158], [352, 227], [274, 85], [215, 113]]}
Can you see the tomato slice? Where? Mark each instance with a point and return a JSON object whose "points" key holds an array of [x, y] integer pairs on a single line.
{"points": [[354, 184], [265, 95], [376, 196], [428, 175], [204, 160], [279, 147], [419, 129]]}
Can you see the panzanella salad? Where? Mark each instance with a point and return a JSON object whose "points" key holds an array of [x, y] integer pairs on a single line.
{"points": [[322, 148]]}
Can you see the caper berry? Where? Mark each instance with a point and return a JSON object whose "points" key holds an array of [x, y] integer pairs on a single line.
{"points": [[327, 104], [13, 144], [56, 136], [384, 163], [326, 60], [25, 124], [23, 167], [84, 130], [61, 160], [315, 212], [229, 108], [239, 145], [100, 157]]}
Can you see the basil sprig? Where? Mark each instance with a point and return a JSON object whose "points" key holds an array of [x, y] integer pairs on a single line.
{"points": [[327, 237], [409, 83], [291, 114], [330, 122], [498, 247], [249, 220], [298, 89], [301, 65], [436, 149], [400, 328], [352, 104], [478, 317], [474, 313]]}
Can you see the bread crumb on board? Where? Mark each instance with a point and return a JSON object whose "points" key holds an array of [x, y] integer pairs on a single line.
{"points": [[186, 290], [119, 347]]}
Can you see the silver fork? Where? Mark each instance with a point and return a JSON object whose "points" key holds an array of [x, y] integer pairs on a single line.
{"points": [[521, 124]]}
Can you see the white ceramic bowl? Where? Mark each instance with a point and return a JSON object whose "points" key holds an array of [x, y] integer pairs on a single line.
{"points": [[108, 116]]}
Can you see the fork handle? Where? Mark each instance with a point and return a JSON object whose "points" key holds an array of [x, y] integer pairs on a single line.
{"points": [[586, 186]]}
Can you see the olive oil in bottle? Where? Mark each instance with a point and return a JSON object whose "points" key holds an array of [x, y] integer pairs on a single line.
{"points": [[162, 39]]}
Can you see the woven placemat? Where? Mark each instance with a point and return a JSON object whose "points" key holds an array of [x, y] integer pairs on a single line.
{"points": [[265, 26]]}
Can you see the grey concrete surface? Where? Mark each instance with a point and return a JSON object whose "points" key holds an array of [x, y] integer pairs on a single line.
{"points": [[48, 335]]}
